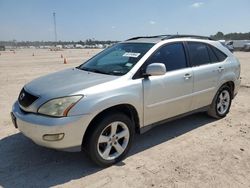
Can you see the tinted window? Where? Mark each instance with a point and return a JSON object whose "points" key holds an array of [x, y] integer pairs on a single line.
{"points": [[172, 55], [220, 55], [213, 57], [198, 53]]}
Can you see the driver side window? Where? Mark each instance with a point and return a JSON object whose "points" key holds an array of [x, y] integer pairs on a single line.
{"points": [[172, 55]]}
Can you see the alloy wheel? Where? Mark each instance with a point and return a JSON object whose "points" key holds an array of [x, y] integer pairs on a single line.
{"points": [[223, 102], [113, 140]]}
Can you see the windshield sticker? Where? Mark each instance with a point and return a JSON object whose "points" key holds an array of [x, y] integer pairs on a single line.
{"points": [[131, 54], [128, 64]]}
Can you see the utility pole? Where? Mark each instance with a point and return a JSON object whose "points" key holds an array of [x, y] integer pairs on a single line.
{"points": [[54, 16]]}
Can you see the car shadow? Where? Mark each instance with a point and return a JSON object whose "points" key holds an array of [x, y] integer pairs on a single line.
{"points": [[24, 164]]}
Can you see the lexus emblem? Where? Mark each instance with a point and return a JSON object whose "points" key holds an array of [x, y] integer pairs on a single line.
{"points": [[22, 95]]}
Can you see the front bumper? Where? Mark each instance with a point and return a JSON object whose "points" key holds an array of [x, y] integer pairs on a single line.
{"points": [[35, 126]]}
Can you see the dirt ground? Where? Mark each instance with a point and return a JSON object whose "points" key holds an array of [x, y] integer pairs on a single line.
{"points": [[196, 151]]}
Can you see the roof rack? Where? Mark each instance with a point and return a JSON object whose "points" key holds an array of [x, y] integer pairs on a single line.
{"points": [[186, 36], [165, 37], [148, 37]]}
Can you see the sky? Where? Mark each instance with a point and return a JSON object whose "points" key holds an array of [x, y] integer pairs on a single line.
{"points": [[32, 20]]}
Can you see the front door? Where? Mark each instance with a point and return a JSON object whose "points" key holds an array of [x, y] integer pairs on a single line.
{"points": [[170, 94]]}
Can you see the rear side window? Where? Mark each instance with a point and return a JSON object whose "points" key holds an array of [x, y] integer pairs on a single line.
{"points": [[198, 53], [213, 57], [220, 55], [172, 55]]}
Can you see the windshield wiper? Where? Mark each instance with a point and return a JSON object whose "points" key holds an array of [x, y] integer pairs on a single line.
{"points": [[93, 70], [116, 73]]}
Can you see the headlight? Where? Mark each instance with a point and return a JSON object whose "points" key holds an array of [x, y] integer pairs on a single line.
{"points": [[59, 107]]}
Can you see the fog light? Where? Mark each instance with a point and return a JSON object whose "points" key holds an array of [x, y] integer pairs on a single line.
{"points": [[53, 137]]}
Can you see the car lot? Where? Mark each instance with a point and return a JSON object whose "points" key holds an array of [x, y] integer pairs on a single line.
{"points": [[196, 151]]}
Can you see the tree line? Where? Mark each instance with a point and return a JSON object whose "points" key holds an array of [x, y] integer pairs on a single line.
{"points": [[231, 36], [53, 43], [218, 36]]}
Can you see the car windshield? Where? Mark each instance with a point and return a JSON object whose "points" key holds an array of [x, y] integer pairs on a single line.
{"points": [[118, 59]]}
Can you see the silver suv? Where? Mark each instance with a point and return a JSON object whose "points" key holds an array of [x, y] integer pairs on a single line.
{"points": [[127, 88]]}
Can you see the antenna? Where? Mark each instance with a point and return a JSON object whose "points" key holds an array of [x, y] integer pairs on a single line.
{"points": [[54, 16]]}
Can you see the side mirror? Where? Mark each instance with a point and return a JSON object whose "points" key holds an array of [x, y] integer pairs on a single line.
{"points": [[156, 69]]}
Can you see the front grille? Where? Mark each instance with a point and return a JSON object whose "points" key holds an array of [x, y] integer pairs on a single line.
{"points": [[25, 99]]}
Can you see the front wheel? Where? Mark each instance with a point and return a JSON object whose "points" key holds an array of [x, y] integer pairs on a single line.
{"points": [[221, 103], [110, 140]]}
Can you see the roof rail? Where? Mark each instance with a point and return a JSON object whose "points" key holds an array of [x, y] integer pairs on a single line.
{"points": [[165, 37], [148, 37], [186, 36]]}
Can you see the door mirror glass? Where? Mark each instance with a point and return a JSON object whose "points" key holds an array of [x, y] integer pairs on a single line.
{"points": [[156, 69]]}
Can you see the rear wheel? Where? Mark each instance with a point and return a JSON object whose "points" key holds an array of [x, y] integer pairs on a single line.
{"points": [[110, 140], [221, 103]]}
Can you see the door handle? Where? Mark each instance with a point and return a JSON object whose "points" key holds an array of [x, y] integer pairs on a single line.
{"points": [[187, 76], [220, 69]]}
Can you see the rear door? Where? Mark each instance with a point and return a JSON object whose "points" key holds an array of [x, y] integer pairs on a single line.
{"points": [[170, 94], [207, 70]]}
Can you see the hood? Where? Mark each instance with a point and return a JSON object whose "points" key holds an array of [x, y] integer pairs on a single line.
{"points": [[66, 82]]}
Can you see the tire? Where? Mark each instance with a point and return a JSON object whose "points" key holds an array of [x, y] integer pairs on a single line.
{"points": [[110, 139], [221, 103]]}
